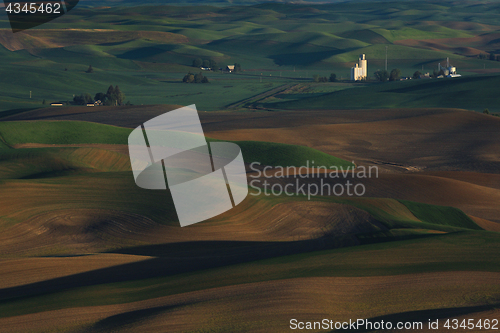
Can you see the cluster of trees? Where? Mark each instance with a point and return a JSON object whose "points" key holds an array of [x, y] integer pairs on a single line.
{"points": [[383, 75], [83, 99], [207, 63], [317, 78], [114, 96], [491, 56], [395, 74], [195, 78]]}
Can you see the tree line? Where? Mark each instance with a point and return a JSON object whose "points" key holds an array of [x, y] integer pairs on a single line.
{"points": [[317, 78], [490, 56], [395, 74]]}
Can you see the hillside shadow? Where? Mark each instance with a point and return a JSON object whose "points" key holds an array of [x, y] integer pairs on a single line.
{"points": [[145, 52], [122, 320], [175, 258]]}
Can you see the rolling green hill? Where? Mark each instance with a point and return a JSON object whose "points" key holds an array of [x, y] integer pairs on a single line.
{"points": [[146, 50], [279, 154]]}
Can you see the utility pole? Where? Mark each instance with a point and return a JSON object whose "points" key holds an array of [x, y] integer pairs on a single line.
{"points": [[386, 58]]}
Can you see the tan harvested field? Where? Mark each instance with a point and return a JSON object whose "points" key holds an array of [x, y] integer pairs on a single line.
{"points": [[269, 306], [394, 139], [436, 156], [416, 139], [55, 231], [84, 231]]}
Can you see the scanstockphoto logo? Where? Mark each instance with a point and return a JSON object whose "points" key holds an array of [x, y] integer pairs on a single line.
{"points": [[205, 179], [25, 14]]}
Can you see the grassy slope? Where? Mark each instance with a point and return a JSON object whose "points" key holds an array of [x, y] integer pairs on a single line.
{"points": [[411, 216], [62, 132], [279, 154], [440, 215]]}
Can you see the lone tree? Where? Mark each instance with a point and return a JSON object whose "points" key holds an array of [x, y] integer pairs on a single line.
{"points": [[333, 77], [316, 78], [237, 67], [381, 75], [395, 74], [416, 75], [486, 111], [197, 62], [90, 69]]}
